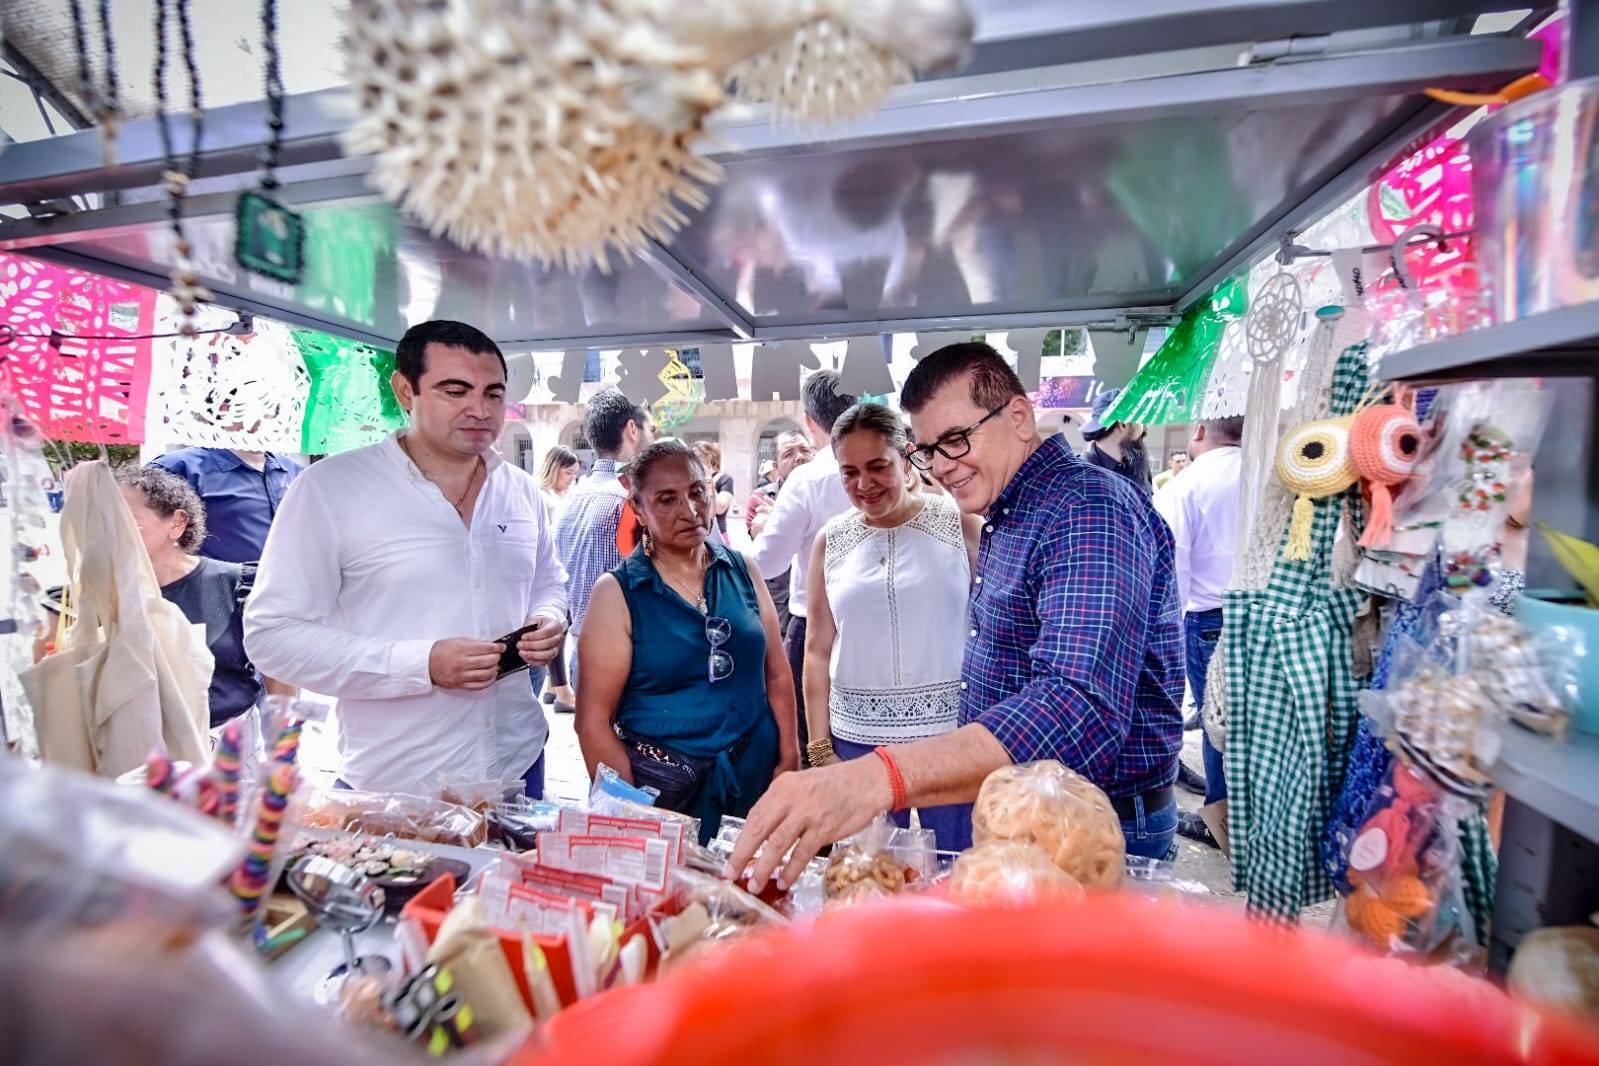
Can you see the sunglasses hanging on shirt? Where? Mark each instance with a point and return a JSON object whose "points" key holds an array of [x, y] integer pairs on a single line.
{"points": [[269, 239]]}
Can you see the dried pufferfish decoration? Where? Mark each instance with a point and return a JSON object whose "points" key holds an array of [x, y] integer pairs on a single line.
{"points": [[563, 130], [845, 59]]}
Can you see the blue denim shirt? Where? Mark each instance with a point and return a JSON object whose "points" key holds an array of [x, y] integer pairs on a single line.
{"points": [[240, 502]]}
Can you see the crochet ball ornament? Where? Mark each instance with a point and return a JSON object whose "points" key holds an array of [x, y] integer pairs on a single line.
{"points": [[1385, 443], [1313, 461]]}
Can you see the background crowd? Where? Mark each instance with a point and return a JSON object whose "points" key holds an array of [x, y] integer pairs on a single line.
{"points": [[927, 596]]}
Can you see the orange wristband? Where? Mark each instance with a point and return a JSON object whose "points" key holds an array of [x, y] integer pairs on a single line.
{"points": [[895, 780]]}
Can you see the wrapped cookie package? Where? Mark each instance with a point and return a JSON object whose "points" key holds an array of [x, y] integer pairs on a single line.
{"points": [[1058, 811]]}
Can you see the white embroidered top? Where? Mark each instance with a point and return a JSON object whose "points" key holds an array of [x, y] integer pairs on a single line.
{"points": [[899, 601]]}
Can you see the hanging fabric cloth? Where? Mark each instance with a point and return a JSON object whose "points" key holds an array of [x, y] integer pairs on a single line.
{"points": [[132, 674], [352, 403], [1291, 699], [1170, 387]]}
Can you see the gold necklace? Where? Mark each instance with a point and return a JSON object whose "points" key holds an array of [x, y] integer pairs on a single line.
{"points": [[460, 503], [677, 584]]}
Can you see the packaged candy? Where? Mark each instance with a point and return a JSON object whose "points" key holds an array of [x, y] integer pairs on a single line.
{"points": [[710, 911], [1061, 812], [397, 814]]}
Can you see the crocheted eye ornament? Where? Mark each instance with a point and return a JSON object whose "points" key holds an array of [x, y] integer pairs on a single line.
{"points": [[1314, 461], [1385, 443]]}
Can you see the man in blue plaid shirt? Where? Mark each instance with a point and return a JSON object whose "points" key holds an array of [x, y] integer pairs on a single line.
{"points": [[1073, 646]]}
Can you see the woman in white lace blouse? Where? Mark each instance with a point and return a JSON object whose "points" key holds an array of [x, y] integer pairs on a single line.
{"points": [[889, 584]]}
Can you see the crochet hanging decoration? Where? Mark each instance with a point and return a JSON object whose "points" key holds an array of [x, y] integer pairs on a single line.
{"points": [[565, 130], [1385, 443], [1314, 462]]}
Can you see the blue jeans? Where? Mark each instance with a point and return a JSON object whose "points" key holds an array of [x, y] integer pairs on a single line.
{"points": [[1149, 835], [951, 823], [533, 780], [1201, 632]]}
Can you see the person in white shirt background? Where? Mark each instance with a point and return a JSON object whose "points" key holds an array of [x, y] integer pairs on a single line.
{"points": [[1201, 507], [811, 497], [391, 569]]}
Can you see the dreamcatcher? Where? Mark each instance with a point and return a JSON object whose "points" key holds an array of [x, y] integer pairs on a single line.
{"points": [[564, 130], [683, 396], [1273, 322]]}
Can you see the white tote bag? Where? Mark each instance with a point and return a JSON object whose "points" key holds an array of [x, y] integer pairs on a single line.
{"points": [[133, 673]]}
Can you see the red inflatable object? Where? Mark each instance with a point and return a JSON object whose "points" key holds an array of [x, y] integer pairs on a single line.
{"points": [[1114, 979]]}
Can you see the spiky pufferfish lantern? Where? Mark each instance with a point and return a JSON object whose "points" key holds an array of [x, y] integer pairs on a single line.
{"points": [[564, 130]]}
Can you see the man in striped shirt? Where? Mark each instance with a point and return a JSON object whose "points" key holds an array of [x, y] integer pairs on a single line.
{"points": [[617, 429]]}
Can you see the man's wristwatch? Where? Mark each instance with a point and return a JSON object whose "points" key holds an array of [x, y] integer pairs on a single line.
{"points": [[818, 752]]}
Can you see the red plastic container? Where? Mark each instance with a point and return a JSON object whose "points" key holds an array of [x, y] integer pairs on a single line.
{"points": [[1113, 979], [428, 908]]}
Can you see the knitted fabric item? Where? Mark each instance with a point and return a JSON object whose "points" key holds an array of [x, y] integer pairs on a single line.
{"points": [[1314, 462], [1215, 712], [1385, 444]]}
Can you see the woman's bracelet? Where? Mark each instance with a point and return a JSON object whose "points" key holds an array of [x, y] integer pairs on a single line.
{"points": [[818, 752]]}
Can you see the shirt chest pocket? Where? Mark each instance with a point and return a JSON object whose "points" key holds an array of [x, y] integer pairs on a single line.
{"points": [[515, 551]]}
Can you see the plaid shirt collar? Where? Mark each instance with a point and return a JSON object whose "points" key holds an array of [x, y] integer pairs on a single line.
{"points": [[1044, 456]]}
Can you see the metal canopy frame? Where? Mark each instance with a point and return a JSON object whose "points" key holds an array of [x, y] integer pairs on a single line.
{"points": [[1007, 93]]}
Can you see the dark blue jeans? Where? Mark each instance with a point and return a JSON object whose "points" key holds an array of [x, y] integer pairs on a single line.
{"points": [[1202, 631], [1149, 835]]}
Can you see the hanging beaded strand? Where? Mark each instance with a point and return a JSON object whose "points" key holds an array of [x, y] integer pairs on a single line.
{"points": [[104, 104], [186, 288], [274, 95]]}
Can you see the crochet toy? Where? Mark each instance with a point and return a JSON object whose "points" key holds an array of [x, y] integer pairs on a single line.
{"points": [[1385, 444], [1314, 462]]}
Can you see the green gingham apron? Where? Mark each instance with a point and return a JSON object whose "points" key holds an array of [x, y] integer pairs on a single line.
{"points": [[1291, 703]]}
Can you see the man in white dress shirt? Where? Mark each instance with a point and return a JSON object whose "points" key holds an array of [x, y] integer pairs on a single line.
{"points": [[811, 496], [392, 569], [1202, 509]]}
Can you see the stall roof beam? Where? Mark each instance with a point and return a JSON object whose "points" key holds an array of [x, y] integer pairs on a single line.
{"points": [[953, 107], [661, 258], [962, 107], [1030, 33]]}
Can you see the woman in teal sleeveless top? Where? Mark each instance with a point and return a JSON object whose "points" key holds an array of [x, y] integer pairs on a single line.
{"points": [[685, 686]]}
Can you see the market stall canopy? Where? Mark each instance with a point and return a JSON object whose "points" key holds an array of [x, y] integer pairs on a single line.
{"points": [[1090, 164]]}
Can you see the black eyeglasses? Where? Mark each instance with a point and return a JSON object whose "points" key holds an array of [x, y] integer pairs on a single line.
{"points": [[956, 444], [719, 631]]}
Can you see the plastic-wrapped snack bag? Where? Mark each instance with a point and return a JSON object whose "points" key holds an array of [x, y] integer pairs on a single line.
{"points": [[878, 861], [1011, 872], [1061, 812], [1405, 868], [710, 911], [399, 815]]}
